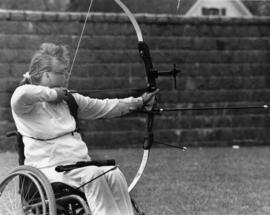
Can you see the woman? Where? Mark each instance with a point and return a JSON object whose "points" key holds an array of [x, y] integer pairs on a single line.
{"points": [[42, 117]]}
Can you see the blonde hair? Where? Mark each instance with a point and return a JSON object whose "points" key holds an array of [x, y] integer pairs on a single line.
{"points": [[42, 61]]}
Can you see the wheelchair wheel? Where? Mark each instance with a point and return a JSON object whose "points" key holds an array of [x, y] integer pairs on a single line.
{"points": [[26, 191]]}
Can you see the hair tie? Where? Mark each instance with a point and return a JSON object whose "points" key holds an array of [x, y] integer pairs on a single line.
{"points": [[27, 75]]}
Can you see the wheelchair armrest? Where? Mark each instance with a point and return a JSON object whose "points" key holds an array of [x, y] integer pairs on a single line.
{"points": [[80, 164]]}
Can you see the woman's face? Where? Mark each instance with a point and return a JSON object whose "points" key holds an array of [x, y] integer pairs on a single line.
{"points": [[57, 77]]}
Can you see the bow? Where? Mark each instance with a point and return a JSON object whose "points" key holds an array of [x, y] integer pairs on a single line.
{"points": [[151, 86], [144, 52], [151, 75]]}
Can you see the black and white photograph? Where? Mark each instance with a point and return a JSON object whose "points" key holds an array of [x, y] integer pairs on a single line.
{"points": [[134, 107]]}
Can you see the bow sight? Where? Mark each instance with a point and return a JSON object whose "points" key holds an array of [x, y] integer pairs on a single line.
{"points": [[153, 73]]}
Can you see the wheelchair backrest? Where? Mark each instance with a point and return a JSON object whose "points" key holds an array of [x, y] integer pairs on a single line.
{"points": [[19, 146]]}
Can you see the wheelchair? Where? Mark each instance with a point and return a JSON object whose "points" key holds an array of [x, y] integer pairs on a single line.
{"points": [[27, 191]]}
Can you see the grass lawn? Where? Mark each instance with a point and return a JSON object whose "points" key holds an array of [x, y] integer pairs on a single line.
{"points": [[206, 181]]}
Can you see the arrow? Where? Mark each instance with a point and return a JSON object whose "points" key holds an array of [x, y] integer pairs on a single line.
{"points": [[161, 110]]}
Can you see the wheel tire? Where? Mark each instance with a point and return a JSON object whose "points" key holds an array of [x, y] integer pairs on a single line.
{"points": [[37, 179]]}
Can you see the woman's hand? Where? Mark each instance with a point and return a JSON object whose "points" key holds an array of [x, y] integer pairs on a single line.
{"points": [[149, 98], [62, 94]]}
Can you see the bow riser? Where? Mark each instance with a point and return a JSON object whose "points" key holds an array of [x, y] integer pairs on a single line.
{"points": [[151, 73]]}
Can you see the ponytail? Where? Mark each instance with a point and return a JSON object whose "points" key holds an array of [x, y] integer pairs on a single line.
{"points": [[26, 79]]}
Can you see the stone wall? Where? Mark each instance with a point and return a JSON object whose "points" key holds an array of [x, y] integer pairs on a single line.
{"points": [[224, 62]]}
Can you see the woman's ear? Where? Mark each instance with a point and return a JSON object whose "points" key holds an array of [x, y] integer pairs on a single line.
{"points": [[45, 79], [47, 75]]}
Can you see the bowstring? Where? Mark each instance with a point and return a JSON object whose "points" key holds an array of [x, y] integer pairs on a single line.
{"points": [[80, 38], [178, 5]]}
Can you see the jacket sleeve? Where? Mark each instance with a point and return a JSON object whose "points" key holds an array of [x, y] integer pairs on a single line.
{"points": [[90, 108], [25, 97]]}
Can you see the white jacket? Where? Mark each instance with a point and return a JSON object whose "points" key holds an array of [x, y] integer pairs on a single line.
{"points": [[36, 116]]}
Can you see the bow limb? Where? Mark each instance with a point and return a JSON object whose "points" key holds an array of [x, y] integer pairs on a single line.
{"points": [[132, 19]]}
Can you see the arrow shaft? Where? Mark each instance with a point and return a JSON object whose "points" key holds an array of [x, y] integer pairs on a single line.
{"points": [[161, 110], [212, 108]]}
